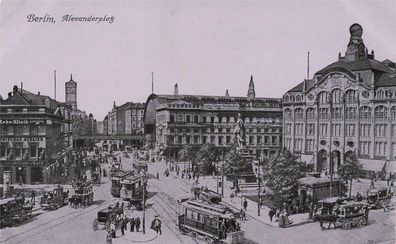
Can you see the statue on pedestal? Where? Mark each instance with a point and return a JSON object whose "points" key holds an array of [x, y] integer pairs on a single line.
{"points": [[240, 132]]}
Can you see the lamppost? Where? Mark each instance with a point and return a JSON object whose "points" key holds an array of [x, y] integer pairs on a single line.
{"points": [[222, 175], [144, 201], [259, 181]]}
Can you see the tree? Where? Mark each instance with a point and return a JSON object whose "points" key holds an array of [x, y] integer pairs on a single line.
{"points": [[189, 154], [206, 155], [351, 169], [236, 164], [282, 174]]}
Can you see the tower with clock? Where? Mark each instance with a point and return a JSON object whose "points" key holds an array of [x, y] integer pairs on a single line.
{"points": [[71, 93]]}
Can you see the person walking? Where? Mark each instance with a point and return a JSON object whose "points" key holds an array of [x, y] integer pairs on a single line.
{"points": [[271, 214], [132, 223], [245, 204], [109, 238], [33, 199], [123, 225], [137, 222]]}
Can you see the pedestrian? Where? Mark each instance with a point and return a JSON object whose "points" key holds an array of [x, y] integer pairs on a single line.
{"points": [[157, 225], [232, 196], [20, 181], [109, 238], [123, 225], [33, 199], [137, 222], [132, 223], [271, 214], [245, 204]]}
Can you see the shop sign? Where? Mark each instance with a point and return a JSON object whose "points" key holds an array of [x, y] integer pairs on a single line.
{"points": [[23, 163], [20, 121]]}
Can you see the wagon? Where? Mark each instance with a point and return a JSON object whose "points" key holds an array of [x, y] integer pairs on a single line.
{"points": [[378, 198], [104, 218], [346, 215]]}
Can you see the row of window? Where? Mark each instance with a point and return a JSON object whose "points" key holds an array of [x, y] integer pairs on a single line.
{"points": [[365, 113], [18, 152], [223, 130], [222, 140], [187, 118], [350, 130], [380, 148], [30, 129]]}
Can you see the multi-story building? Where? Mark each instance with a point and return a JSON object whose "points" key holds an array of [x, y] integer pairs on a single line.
{"points": [[125, 124], [172, 121], [36, 137], [348, 106]]}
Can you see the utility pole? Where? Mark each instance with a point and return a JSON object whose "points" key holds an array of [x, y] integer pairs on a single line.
{"points": [[259, 181], [144, 202], [222, 176]]}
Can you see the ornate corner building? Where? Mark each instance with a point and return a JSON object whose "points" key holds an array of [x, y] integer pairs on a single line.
{"points": [[348, 106], [172, 121], [36, 138]]}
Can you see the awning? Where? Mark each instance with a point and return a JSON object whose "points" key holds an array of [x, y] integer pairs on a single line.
{"points": [[372, 164], [308, 159]]}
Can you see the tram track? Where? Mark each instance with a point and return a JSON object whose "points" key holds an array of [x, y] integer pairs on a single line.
{"points": [[70, 217]]}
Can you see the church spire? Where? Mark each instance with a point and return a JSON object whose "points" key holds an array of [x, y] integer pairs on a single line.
{"points": [[251, 91]]}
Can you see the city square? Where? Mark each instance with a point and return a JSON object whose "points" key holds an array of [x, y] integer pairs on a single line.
{"points": [[265, 155]]}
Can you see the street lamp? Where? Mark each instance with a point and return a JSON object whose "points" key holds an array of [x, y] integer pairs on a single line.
{"points": [[144, 201], [259, 181]]}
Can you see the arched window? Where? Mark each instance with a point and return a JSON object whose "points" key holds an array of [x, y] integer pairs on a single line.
{"points": [[224, 119], [381, 112], [188, 118], [365, 113], [310, 113], [247, 120], [196, 119], [351, 96], [288, 114], [393, 113], [337, 95], [322, 97], [172, 118], [350, 113], [180, 118], [298, 114]]}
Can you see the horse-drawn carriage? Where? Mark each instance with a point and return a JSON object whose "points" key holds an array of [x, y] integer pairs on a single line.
{"points": [[107, 216], [14, 210], [83, 195], [378, 198], [211, 221], [54, 198], [345, 215]]}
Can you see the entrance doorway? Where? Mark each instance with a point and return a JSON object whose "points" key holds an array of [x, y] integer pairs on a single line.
{"points": [[321, 162]]}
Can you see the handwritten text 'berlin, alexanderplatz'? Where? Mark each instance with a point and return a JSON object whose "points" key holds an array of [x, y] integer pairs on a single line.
{"points": [[70, 18]]}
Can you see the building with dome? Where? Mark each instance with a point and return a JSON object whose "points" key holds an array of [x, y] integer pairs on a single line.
{"points": [[347, 107]]}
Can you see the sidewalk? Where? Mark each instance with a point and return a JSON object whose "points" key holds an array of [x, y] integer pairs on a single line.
{"points": [[136, 236]]}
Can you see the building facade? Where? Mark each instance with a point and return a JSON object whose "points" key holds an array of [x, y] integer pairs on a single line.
{"points": [[348, 106], [36, 138], [172, 121], [125, 124]]}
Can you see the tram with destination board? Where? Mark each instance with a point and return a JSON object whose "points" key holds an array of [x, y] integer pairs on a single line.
{"points": [[210, 221]]}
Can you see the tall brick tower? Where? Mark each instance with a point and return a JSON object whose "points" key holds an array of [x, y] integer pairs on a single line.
{"points": [[71, 93]]}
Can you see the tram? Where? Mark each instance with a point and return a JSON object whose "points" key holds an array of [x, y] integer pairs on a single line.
{"points": [[116, 181], [13, 210], [54, 198], [132, 187], [211, 221], [83, 194]]}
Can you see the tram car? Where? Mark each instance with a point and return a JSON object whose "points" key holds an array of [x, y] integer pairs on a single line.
{"points": [[54, 198], [83, 195], [212, 222], [378, 198], [13, 210], [132, 187], [116, 181], [346, 215]]}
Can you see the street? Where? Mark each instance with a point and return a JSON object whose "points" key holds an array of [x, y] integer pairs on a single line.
{"points": [[69, 225]]}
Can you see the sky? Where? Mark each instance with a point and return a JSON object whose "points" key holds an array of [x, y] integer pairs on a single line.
{"points": [[204, 46]]}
